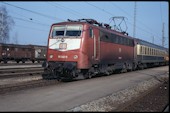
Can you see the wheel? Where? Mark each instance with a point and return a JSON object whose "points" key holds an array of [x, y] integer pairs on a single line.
{"points": [[124, 70], [5, 61], [87, 76]]}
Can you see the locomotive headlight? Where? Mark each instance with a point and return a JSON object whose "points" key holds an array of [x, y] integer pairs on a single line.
{"points": [[75, 56], [51, 56]]}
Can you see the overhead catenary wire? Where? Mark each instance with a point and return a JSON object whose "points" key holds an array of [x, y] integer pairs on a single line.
{"points": [[31, 28], [140, 22], [30, 21], [161, 13], [67, 9], [100, 9], [44, 15], [113, 15], [29, 18]]}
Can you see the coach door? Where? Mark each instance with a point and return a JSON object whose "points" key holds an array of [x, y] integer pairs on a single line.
{"points": [[96, 45]]}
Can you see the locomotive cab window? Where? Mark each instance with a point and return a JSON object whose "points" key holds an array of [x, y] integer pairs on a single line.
{"points": [[73, 30], [66, 30], [58, 31]]}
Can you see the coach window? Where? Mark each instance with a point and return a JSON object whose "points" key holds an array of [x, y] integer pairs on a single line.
{"points": [[153, 52], [91, 32], [145, 50], [149, 51], [156, 53], [140, 49]]}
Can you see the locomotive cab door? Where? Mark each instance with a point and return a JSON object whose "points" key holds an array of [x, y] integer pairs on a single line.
{"points": [[96, 45]]}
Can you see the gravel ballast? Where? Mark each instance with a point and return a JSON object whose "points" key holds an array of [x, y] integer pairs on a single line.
{"points": [[113, 102]]}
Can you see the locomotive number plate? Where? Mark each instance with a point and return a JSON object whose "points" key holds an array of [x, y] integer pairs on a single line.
{"points": [[62, 46]]}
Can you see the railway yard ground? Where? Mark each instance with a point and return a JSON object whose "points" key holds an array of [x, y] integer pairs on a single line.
{"points": [[138, 91], [154, 101]]}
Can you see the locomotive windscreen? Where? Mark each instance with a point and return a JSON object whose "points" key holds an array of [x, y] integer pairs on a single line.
{"points": [[65, 37], [67, 30]]}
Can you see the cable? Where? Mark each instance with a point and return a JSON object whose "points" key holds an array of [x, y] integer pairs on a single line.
{"points": [[112, 15], [29, 21], [47, 16], [27, 17], [140, 22], [100, 9], [161, 12], [30, 28], [66, 8]]}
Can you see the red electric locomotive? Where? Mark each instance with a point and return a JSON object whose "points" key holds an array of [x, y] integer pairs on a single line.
{"points": [[86, 48]]}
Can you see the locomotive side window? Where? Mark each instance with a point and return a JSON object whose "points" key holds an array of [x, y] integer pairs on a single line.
{"points": [[113, 38], [91, 32]]}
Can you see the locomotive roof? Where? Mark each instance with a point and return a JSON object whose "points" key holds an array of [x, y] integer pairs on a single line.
{"points": [[99, 27]]}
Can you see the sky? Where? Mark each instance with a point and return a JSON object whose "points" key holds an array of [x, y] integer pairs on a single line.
{"points": [[33, 19]]}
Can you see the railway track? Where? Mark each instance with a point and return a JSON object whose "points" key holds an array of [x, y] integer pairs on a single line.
{"points": [[25, 85], [16, 72], [12, 64]]}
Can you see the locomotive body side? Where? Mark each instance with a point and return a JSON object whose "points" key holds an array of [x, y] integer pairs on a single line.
{"points": [[116, 50], [93, 51]]}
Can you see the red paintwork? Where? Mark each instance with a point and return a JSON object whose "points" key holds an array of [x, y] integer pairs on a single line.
{"points": [[109, 52]]}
